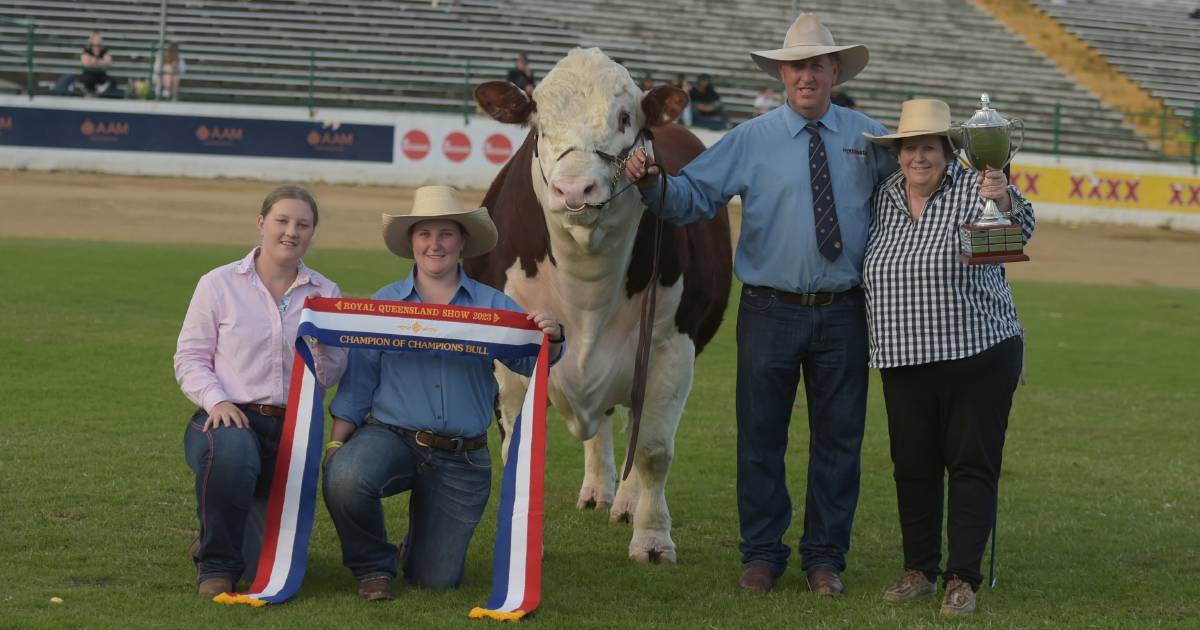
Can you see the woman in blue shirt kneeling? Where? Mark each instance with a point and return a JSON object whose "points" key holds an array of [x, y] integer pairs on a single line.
{"points": [[418, 422]]}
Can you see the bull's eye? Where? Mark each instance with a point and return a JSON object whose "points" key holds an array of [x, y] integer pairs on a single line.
{"points": [[622, 121]]}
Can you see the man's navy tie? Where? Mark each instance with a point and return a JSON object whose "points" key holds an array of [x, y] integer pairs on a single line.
{"points": [[829, 236]]}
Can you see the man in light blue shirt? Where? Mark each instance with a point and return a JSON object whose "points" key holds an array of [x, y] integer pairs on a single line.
{"points": [[805, 175], [417, 422]]}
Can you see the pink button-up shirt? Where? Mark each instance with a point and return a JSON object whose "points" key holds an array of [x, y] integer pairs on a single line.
{"points": [[237, 345]]}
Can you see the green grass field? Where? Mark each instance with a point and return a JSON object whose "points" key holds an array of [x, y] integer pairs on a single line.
{"points": [[1098, 515]]}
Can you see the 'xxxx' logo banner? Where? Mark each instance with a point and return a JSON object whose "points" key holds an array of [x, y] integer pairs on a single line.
{"points": [[407, 327]]}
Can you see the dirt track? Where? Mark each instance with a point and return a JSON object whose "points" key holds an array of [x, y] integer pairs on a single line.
{"points": [[180, 210]]}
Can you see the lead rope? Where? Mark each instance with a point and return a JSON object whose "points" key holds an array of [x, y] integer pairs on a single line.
{"points": [[641, 361]]}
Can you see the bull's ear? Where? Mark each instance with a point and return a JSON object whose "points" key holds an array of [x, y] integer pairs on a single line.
{"points": [[663, 104], [505, 102]]}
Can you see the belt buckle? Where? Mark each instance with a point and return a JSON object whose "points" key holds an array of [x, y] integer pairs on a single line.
{"points": [[417, 439]]}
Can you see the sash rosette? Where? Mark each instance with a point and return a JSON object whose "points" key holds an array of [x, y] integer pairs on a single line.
{"points": [[407, 327]]}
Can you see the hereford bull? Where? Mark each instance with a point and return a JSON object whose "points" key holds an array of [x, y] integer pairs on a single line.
{"points": [[577, 241]]}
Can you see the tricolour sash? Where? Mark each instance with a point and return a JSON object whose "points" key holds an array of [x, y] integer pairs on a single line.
{"points": [[407, 327]]}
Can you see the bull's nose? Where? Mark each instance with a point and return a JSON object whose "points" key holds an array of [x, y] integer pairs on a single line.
{"points": [[574, 192]]}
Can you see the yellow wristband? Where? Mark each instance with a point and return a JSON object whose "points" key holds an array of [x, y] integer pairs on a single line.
{"points": [[333, 444]]}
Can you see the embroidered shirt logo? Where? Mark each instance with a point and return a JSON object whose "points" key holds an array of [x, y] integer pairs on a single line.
{"points": [[855, 152]]}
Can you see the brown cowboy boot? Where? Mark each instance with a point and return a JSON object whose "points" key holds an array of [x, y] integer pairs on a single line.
{"points": [[376, 589], [825, 582], [758, 578]]}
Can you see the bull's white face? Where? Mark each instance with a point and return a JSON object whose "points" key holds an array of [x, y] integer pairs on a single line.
{"points": [[586, 104]]}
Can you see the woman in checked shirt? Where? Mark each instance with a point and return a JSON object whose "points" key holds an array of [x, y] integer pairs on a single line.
{"points": [[947, 342]]}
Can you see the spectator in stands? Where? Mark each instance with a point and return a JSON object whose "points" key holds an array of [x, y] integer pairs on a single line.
{"points": [[234, 362], [1195, 15], [681, 82], [805, 175], [522, 75], [647, 84], [418, 422], [766, 100], [948, 346], [842, 99], [169, 67], [707, 109], [95, 60]]}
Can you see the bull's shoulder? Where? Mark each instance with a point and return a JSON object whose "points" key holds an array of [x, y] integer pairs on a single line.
{"points": [[700, 252], [520, 224]]}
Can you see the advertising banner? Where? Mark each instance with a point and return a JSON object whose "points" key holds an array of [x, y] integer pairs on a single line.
{"points": [[197, 135]]}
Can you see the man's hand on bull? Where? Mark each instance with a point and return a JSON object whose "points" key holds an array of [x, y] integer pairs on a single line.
{"points": [[636, 171]]}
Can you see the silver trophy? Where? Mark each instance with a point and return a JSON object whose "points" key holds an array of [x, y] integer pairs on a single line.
{"points": [[986, 140]]}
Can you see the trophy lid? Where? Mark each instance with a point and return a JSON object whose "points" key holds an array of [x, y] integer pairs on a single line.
{"points": [[985, 116]]}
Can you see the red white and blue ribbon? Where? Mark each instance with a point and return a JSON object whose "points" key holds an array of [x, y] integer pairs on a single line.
{"points": [[407, 327], [517, 561]]}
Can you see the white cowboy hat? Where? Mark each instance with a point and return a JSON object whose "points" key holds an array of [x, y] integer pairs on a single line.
{"points": [[808, 38], [440, 202], [918, 117]]}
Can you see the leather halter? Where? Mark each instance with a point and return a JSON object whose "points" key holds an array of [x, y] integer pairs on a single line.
{"points": [[617, 162]]}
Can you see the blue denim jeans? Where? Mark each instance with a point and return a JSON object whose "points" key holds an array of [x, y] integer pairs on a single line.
{"points": [[777, 342], [233, 470], [448, 493]]}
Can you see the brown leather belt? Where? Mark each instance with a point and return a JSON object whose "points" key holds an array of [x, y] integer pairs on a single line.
{"points": [[806, 299], [264, 410], [429, 439]]}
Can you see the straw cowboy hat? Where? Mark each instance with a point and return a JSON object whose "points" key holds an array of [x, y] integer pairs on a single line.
{"points": [[808, 38], [440, 202], [918, 117]]}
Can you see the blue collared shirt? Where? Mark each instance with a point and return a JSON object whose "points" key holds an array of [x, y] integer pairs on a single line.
{"points": [[765, 160], [449, 395]]}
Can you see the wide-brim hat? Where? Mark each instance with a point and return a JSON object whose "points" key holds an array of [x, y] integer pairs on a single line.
{"points": [[807, 38], [440, 202], [918, 117]]}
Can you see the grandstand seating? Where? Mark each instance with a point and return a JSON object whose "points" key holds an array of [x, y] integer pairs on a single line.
{"points": [[409, 54], [1152, 41]]}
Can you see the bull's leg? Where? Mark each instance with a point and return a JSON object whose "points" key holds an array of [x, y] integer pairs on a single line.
{"points": [[598, 471], [594, 429], [512, 397], [666, 393]]}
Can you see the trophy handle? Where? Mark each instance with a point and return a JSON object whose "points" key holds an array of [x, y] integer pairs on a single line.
{"points": [[962, 148], [1015, 123]]}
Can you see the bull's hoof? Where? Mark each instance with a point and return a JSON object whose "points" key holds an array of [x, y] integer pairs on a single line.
{"points": [[592, 504], [620, 517], [654, 550], [624, 507], [593, 499]]}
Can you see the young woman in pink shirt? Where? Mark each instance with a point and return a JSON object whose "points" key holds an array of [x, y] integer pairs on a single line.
{"points": [[234, 360]]}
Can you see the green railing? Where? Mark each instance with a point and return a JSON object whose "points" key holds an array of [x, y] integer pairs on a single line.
{"points": [[324, 79], [29, 40]]}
